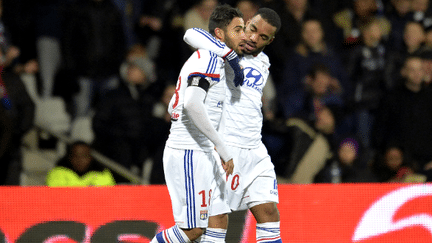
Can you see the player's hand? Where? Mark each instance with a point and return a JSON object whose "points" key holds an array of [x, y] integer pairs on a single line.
{"points": [[234, 62], [228, 166]]}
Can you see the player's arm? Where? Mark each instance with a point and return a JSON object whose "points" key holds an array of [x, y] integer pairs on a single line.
{"points": [[194, 98], [201, 39]]}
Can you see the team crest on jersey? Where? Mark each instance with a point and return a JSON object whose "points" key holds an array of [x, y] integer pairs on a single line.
{"points": [[253, 78], [203, 214]]}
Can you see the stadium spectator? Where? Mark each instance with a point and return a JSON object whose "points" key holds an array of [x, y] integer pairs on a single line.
{"points": [[78, 168], [123, 123], [395, 165], [414, 38], [20, 118], [309, 140], [48, 18], [248, 8], [162, 126], [19, 19], [198, 15], [421, 9], [310, 51], [360, 13], [366, 72], [345, 166], [292, 13], [130, 11], [94, 47], [398, 12], [405, 118]]}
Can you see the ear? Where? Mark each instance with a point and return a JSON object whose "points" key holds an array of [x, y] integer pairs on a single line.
{"points": [[219, 34]]}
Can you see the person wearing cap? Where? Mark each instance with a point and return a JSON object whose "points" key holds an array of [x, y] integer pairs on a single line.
{"points": [[123, 118]]}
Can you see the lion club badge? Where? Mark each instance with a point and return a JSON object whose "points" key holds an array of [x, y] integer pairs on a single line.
{"points": [[203, 214]]}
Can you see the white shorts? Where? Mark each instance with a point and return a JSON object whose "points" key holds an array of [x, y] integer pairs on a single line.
{"points": [[253, 181], [189, 176]]}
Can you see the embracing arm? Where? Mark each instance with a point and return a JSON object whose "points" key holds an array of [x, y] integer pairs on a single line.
{"points": [[201, 39]]}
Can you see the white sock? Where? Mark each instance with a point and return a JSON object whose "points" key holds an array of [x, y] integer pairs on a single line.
{"points": [[171, 235], [268, 232], [213, 235]]}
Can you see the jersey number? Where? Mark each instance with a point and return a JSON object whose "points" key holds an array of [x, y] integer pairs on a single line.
{"points": [[176, 93], [235, 182], [203, 196]]}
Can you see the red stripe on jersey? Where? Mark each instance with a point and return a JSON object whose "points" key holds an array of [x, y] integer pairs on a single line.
{"points": [[211, 75], [166, 236], [268, 239], [199, 55], [228, 53]]}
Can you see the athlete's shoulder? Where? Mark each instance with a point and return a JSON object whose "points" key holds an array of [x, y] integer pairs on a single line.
{"points": [[263, 58], [260, 60], [206, 54]]}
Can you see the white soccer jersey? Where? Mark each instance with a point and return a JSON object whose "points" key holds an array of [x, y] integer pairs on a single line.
{"points": [[243, 117], [253, 180], [183, 133]]}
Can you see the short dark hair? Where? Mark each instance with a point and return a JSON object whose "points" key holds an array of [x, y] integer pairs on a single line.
{"points": [[270, 16], [222, 16]]}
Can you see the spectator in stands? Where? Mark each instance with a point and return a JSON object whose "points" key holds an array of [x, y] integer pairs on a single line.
{"points": [[123, 123], [345, 166], [312, 130], [48, 31], [414, 38], [310, 51], [366, 71], [15, 35], [163, 124], [19, 19], [94, 47], [398, 12], [198, 15], [8, 52], [319, 88], [406, 119], [361, 13], [309, 145], [248, 8], [421, 8], [293, 14], [395, 165], [78, 168], [20, 118], [130, 11]]}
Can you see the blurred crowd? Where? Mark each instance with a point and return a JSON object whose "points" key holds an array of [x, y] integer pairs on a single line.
{"points": [[349, 98]]}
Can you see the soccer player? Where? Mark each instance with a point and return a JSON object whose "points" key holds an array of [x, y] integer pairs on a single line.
{"points": [[189, 160], [253, 183]]}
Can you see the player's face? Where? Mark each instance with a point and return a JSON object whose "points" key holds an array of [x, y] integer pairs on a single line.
{"points": [[234, 36], [259, 33]]}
